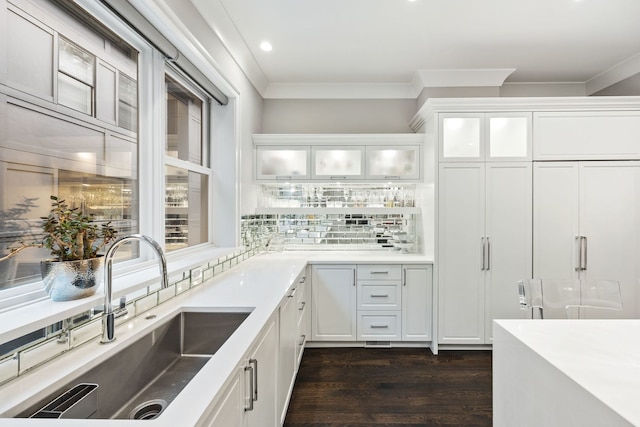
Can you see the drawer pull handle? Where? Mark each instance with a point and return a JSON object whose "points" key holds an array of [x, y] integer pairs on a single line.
{"points": [[379, 326], [302, 304], [379, 272], [303, 338], [379, 295]]}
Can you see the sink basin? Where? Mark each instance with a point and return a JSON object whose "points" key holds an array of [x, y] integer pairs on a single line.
{"points": [[142, 379]]}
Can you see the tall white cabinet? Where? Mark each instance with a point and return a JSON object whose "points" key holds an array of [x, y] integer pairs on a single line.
{"points": [[484, 246], [587, 225]]}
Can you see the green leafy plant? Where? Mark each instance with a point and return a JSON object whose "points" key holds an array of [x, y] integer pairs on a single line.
{"points": [[69, 234]]}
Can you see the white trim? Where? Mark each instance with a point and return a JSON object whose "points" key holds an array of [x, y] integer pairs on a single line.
{"points": [[613, 75], [341, 91]]}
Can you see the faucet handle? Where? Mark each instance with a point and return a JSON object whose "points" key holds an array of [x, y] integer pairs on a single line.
{"points": [[123, 303]]}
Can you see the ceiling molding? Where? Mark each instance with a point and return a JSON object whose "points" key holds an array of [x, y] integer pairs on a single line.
{"points": [[340, 91], [463, 77], [613, 75]]}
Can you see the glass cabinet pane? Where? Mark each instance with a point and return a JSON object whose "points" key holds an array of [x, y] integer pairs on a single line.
{"points": [[461, 137], [508, 136], [393, 163], [286, 163], [338, 163]]}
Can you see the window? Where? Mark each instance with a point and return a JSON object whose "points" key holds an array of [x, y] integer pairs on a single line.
{"points": [[186, 172], [74, 138]]}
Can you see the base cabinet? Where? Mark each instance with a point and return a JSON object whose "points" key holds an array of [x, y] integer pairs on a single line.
{"points": [[229, 411], [334, 303], [287, 361], [372, 302]]}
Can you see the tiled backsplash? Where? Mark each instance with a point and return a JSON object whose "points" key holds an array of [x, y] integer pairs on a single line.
{"points": [[318, 231], [22, 354]]}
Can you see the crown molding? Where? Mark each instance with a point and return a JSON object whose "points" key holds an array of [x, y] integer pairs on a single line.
{"points": [[613, 75]]}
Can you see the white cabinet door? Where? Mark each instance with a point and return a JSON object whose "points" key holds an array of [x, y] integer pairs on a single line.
{"points": [[610, 221], [337, 163], [263, 364], [282, 163], [287, 354], [393, 162], [601, 202], [461, 137], [417, 302], [508, 236], [461, 218], [333, 303], [586, 135], [509, 136], [229, 410]]}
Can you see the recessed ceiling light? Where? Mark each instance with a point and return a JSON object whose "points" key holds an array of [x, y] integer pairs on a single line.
{"points": [[266, 46]]}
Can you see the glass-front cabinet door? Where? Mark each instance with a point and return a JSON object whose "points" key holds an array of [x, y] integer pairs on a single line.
{"points": [[393, 163], [468, 137], [282, 162], [509, 136], [337, 163]]}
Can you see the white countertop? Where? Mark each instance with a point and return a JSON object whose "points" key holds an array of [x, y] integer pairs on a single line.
{"points": [[259, 283], [601, 356]]}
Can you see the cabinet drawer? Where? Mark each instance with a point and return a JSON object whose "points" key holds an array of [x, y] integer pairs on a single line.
{"points": [[378, 296], [376, 325], [379, 272]]}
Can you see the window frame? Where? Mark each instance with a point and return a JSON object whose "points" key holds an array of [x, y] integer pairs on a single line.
{"points": [[151, 68]]}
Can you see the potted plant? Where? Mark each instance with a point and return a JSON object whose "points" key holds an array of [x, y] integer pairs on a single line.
{"points": [[74, 239]]}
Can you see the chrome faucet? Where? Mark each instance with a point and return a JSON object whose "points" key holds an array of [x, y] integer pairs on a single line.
{"points": [[108, 316]]}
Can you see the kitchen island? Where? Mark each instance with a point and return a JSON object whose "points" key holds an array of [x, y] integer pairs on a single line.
{"points": [[566, 373]]}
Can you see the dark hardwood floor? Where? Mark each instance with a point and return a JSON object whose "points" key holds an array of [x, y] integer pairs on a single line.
{"points": [[391, 387]]}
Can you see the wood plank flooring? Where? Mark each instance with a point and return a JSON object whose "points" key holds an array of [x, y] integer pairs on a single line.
{"points": [[391, 387]]}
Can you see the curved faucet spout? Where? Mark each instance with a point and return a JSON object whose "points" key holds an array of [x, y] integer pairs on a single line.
{"points": [[108, 316]]}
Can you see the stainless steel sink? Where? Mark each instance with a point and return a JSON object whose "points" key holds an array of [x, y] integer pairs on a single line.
{"points": [[142, 379]]}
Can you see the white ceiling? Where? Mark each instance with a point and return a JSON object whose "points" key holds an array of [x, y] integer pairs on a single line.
{"points": [[395, 43]]}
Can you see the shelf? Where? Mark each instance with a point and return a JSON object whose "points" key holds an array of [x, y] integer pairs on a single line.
{"points": [[344, 211]]}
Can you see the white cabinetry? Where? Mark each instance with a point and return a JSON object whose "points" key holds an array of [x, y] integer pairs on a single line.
{"points": [[350, 157], [228, 412], [337, 163], [261, 370], [393, 162], [391, 302], [379, 302], [287, 361], [596, 204], [282, 162], [587, 135], [484, 246], [303, 299], [417, 313], [471, 137], [249, 399], [334, 302]]}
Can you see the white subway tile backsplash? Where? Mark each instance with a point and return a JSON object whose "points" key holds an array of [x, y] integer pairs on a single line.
{"points": [[86, 332], [146, 303], [41, 353], [8, 368]]}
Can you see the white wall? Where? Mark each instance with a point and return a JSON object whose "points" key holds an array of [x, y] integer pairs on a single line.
{"points": [[338, 116]]}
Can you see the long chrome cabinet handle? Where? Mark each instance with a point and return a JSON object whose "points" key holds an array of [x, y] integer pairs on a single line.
{"points": [[404, 277], [488, 254], [255, 375], [584, 258], [483, 253], [251, 389], [579, 247]]}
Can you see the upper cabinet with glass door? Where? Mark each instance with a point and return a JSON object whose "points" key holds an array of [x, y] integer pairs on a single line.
{"points": [[288, 162], [393, 162], [468, 137], [337, 163]]}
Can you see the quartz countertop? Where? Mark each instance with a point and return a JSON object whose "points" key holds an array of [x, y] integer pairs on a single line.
{"points": [[598, 359], [258, 284]]}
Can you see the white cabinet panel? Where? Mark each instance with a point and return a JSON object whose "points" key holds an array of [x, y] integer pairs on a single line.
{"points": [[509, 240], [509, 136], [461, 229], [285, 163], [484, 246], [461, 136], [417, 303], [393, 162], [379, 295], [599, 201], [287, 353], [601, 135], [337, 163], [229, 410], [379, 325], [264, 364], [334, 303]]}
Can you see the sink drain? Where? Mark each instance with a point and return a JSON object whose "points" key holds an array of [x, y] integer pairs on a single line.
{"points": [[148, 410]]}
